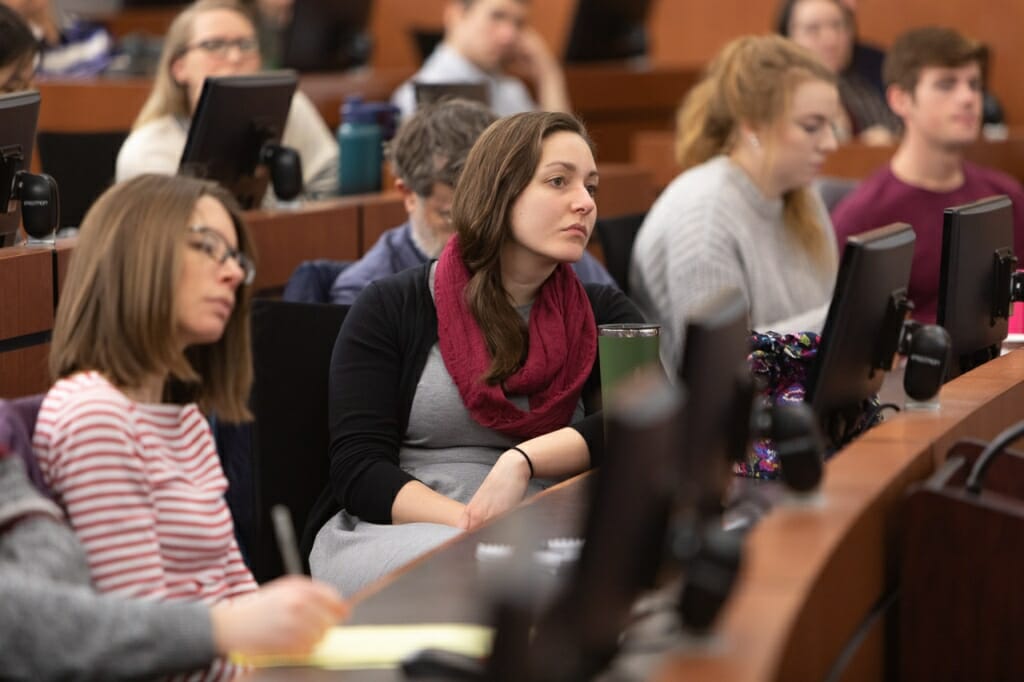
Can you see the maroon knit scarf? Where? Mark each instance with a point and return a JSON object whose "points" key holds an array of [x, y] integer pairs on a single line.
{"points": [[563, 345]]}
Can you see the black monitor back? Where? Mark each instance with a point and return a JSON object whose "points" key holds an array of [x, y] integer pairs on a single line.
{"points": [[624, 531], [607, 30], [19, 113], [875, 266], [971, 235], [715, 373], [328, 35], [235, 117]]}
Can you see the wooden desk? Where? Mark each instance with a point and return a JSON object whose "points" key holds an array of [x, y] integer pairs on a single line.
{"points": [[654, 150], [813, 571], [284, 238], [26, 280]]}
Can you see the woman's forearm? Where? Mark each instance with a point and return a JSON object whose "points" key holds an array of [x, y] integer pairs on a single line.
{"points": [[415, 502]]}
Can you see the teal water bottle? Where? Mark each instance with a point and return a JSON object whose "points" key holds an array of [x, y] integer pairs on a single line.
{"points": [[359, 144]]}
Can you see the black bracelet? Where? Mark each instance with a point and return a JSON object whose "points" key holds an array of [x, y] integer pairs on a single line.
{"points": [[529, 462]]}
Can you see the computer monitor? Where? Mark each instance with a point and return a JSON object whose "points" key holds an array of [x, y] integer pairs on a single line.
{"points": [[18, 115], [237, 116], [624, 531], [328, 35], [715, 373], [605, 30], [974, 284], [861, 331]]}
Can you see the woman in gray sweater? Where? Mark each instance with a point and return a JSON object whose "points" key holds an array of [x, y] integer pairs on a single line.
{"points": [[54, 625], [752, 136]]}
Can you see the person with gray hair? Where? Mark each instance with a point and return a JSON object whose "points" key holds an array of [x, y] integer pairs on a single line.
{"points": [[427, 155]]}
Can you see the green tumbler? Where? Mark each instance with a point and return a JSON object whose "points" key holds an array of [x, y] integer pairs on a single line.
{"points": [[622, 350]]}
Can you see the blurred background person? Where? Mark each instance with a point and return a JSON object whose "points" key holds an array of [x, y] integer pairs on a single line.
{"points": [[482, 40], [70, 46], [217, 38], [826, 28]]}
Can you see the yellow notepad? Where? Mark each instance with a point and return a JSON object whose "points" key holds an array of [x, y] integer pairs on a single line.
{"points": [[354, 647]]}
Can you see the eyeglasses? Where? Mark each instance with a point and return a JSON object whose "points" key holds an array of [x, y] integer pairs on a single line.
{"points": [[214, 245], [221, 47]]}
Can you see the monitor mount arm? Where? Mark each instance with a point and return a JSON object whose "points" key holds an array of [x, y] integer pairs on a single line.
{"points": [[37, 192], [1007, 284]]}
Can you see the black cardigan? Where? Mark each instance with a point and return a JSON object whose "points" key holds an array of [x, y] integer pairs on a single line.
{"points": [[376, 365]]}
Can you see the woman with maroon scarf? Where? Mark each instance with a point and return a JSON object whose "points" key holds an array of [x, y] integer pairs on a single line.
{"points": [[460, 387]]}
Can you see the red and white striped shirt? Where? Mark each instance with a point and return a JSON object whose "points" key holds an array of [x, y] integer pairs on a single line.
{"points": [[144, 491]]}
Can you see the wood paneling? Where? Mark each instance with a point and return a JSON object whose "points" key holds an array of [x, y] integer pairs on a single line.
{"points": [[26, 280], [24, 371], [285, 238]]}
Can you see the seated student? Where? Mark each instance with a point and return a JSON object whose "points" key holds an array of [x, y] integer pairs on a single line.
{"points": [[427, 156], [19, 52], [934, 77], [151, 336], [216, 38], [481, 39], [55, 626], [70, 47], [752, 136], [459, 386], [826, 28]]}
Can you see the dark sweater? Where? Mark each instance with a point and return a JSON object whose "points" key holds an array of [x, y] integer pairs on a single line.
{"points": [[377, 362]]}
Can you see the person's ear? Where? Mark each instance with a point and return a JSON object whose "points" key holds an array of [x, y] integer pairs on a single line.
{"points": [[177, 69], [454, 11], [408, 196], [900, 100]]}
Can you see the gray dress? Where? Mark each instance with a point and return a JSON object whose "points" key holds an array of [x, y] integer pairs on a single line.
{"points": [[446, 450]]}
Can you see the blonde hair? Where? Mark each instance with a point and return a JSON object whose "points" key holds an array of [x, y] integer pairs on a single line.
{"points": [[168, 96], [752, 81], [117, 308]]}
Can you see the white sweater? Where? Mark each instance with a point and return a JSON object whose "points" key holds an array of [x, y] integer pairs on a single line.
{"points": [[712, 229], [156, 147]]}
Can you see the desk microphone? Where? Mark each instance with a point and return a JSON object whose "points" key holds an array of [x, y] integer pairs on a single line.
{"points": [[40, 203], [710, 576], [799, 445], [928, 356], [285, 166]]}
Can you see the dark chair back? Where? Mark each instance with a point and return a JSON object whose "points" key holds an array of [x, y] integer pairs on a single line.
{"points": [[292, 345], [311, 281], [83, 164], [617, 236], [17, 422]]}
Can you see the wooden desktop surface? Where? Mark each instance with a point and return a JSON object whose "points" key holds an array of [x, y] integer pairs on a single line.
{"points": [[814, 569], [654, 150]]}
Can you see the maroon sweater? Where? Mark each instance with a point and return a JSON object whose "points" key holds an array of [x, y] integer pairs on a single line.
{"points": [[883, 198]]}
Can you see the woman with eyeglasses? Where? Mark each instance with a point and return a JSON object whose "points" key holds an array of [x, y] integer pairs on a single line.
{"points": [[751, 137], [216, 38], [19, 52], [151, 336]]}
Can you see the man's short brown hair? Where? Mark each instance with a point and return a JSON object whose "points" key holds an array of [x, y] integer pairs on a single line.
{"points": [[930, 46]]}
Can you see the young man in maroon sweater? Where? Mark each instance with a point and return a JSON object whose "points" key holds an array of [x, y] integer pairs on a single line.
{"points": [[934, 84]]}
